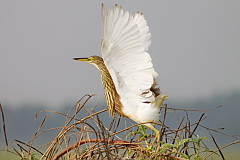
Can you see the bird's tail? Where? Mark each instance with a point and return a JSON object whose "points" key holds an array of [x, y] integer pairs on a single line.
{"points": [[159, 100]]}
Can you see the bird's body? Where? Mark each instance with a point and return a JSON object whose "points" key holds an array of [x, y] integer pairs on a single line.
{"points": [[127, 73]]}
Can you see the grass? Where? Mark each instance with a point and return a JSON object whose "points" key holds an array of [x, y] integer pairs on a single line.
{"points": [[87, 137]]}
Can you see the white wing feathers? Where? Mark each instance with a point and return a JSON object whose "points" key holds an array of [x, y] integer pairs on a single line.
{"points": [[126, 39]]}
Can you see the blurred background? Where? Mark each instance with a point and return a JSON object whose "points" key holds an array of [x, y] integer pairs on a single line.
{"points": [[195, 49]]}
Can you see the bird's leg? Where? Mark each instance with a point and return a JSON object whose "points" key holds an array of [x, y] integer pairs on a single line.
{"points": [[157, 137], [157, 103]]}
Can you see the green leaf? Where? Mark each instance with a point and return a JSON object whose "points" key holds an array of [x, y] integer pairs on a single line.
{"points": [[142, 128], [129, 134], [166, 145], [137, 132], [197, 158], [206, 150], [205, 138], [186, 148], [183, 141], [184, 155]]}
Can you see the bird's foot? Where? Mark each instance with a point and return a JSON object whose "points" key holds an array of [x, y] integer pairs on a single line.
{"points": [[157, 137], [156, 140]]}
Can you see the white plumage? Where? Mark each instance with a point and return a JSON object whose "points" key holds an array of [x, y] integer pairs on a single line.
{"points": [[125, 42]]}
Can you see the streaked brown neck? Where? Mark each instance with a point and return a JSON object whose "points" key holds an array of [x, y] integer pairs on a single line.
{"points": [[111, 95]]}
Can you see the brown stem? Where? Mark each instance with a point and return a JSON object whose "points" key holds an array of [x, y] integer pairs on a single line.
{"points": [[116, 142]]}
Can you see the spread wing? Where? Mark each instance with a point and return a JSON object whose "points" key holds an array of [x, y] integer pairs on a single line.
{"points": [[125, 42]]}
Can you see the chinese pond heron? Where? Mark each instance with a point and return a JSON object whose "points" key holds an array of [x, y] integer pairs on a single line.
{"points": [[127, 73]]}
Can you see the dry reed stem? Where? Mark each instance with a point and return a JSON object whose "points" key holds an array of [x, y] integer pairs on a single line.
{"points": [[60, 145], [3, 125], [65, 130], [110, 141], [221, 148]]}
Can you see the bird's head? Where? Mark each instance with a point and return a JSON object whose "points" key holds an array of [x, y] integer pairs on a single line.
{"points": [[93, 60]]}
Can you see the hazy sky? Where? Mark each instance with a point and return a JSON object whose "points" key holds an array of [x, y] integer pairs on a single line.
{"points": [[195, 48]]}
